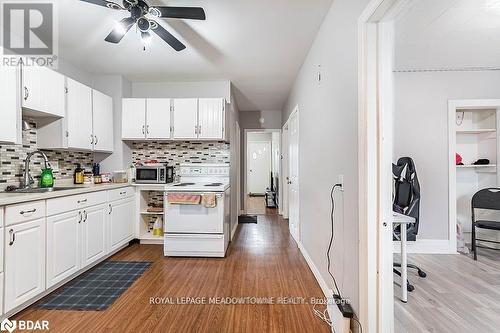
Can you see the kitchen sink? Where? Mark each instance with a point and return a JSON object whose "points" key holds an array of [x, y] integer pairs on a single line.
{"points": [[42, 190]]}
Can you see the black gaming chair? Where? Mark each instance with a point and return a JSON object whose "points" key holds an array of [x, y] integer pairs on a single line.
{"points": [[407, 202]]}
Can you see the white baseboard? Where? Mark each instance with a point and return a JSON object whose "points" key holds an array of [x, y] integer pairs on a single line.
{"points": [[339, 323], [427, 246]]}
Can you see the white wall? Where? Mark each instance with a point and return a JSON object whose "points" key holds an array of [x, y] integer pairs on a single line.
{"points": [[421, 132], [328, 144], [204, 89]]}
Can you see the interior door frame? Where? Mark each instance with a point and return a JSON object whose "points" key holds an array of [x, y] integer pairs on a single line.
{"points": [[375, 142], [295, 112], [284, 172], [245, 138]]}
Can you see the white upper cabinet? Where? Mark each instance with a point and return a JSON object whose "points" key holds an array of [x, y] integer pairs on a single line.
{"points": [[211, 118], [185, 118], [79, 116], [158, 118], [42, 92], [102, 120], [133, 118], [10, 126]]}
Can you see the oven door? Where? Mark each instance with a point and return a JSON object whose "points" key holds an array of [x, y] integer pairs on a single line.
{"points": [[194, 219], [147, 175]]}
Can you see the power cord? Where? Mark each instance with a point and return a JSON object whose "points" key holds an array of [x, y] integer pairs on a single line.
{"points": [[332, 235]]}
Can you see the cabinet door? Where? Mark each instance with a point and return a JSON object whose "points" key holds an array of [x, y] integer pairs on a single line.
{"points": [[133, 118], [185, 118], [79, 115], [121, 221], [24, 262], [43, 91], [211, 118], [158, 118], [93, 234], [102, 119], [63, 246], [10, 126]]}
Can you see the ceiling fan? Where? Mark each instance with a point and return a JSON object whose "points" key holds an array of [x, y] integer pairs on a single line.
{"points": [[142, 15]]}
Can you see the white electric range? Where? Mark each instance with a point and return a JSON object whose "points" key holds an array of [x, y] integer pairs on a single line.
{"points": [[195, 230]]}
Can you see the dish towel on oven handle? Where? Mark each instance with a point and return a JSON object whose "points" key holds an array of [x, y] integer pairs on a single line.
{"points": [[184, 199], [209, 200]]}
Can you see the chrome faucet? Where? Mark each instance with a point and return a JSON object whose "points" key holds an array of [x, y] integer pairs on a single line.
{"points": [[28, 180]]}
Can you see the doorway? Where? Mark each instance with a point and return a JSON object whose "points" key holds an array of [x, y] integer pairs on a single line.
{"points": [[262, 171], [293, 174]]}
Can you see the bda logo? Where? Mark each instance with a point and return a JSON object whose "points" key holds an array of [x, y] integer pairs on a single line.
{"points": [[8, 325]]}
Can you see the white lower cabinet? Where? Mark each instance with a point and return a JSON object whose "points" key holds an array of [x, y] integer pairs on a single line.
{"points": [[63, 244], [24, 262], [93, 234], [121, 219]]}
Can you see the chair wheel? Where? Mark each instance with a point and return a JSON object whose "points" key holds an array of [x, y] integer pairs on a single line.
{"points": [[422, 274], [410, 288]]}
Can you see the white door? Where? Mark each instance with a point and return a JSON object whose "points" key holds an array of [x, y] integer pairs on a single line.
{"points": [[79, 115], [258, 167], [133, 118], [11, 109], [102, 121], [285, 170], [293, 183], [63, 246], [24, 262], [120, 222], [185, 118], [158, 118], [43, 90], [93, 234], [211, 118]]}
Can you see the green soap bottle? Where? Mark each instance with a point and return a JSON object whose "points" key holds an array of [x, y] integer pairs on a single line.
{"points": [[46, 178]]}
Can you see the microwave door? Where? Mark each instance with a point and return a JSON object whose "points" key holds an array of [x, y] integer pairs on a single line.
{"points": [[147, 175]]}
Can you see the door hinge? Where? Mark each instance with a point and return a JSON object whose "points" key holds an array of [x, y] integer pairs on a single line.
{"points": [[66, 90], [67, 133]]}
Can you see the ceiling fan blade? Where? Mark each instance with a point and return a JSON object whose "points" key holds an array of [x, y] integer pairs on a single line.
{"points": [[167, 37], [120, 30], [193, 13], [104, 3]]}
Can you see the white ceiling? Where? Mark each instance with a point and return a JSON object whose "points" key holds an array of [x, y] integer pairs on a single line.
{"points": [[449, 34], [257, 44]]}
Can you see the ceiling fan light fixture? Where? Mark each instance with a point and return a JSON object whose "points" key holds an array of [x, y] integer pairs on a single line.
{"points": [[146, 38], [143, 24], [154, 12]]}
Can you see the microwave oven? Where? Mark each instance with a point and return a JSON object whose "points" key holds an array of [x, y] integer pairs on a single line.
{"points": [[160, 174]]}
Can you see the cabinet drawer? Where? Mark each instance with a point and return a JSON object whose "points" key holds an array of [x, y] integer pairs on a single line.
{"points": [[121, 193], [67, 204], [24, 212]]}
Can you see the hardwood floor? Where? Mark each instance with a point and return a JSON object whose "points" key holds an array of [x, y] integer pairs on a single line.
{"points": [[458, 295], [257, 206], [262, 261]]}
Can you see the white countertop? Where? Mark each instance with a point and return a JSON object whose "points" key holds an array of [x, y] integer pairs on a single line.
{"points": [[16, 197]]}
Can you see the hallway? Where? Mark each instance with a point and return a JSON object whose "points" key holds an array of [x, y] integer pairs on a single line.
{"points": [[262, 261]]}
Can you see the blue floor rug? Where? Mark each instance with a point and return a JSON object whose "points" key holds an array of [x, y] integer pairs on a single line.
{"points": [[96, 289]]}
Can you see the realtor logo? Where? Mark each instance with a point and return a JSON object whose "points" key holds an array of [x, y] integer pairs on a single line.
{"points": [[29, 30], [8, 325]]}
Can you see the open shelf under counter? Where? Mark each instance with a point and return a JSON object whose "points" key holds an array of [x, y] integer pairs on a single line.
{"points": [[149, 238], [151, 213]]}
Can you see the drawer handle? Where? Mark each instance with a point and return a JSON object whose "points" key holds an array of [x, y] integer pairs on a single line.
{"points": [[27, 211], [124, 192], [12, 237], [82, 201]]}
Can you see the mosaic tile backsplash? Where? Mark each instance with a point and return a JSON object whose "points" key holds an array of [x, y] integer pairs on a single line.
{"points": [[176, 153], [12, 160]]}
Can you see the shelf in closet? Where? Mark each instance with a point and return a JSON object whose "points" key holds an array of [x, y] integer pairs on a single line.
{"points": [[482, 168], [477, 131]]}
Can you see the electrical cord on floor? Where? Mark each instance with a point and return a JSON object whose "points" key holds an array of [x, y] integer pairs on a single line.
{"points": [[359, 324], [323, 315], [332, 235]]}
